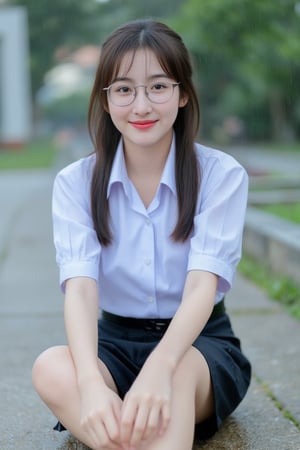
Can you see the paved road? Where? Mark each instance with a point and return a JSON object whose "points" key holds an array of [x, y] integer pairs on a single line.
{"points": [[31, 320], [260, 160]]}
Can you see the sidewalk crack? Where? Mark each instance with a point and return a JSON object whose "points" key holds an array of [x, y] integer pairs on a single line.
{"points": [[277, 403]]}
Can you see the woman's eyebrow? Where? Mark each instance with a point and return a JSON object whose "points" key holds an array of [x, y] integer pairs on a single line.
{"points": [[159, 75], [151, 77], [122, 79]]}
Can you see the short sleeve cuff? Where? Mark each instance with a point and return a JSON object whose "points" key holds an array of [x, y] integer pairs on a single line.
{"points": [[213, 265], [77, 269]]}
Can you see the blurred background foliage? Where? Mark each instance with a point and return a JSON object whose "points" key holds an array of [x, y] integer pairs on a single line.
{"points": [[246, 54]]}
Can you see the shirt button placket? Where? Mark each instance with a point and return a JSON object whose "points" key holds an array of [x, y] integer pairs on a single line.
{"points": [[149, 262]]}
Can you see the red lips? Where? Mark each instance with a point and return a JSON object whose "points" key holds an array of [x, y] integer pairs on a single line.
{"points": [[143, 124]]}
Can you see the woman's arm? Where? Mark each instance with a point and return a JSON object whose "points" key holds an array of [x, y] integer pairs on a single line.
{"points": [[100, 406], [191, 317], [78, 256], [81, 318], [147, 405]]}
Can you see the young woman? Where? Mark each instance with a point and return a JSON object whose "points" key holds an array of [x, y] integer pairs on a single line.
{"points": [[148, 231]]}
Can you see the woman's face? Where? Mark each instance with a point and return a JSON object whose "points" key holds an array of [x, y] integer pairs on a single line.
{"points": [[144, 123]]}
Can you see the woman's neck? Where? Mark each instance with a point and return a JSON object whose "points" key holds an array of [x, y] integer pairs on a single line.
{"points": [[144, 168], [146, 161]]}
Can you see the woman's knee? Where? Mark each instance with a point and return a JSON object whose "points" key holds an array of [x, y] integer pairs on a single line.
{"points": [[52, 373], [194, 374], [189, 370]]}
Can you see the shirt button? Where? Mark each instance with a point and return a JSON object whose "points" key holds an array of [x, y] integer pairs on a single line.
{"points": [[150, 299], [148, 222], [147, 261]]}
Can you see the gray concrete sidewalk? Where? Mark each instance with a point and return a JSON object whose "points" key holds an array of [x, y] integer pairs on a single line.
{"points": [[31, 320], [259, 161]]}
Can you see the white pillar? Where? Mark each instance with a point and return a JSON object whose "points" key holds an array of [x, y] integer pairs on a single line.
{"points": [[15, 98]]}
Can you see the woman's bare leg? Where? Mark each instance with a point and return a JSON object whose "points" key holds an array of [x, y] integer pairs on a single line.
{"points": [[192, 399], [54, 378]]}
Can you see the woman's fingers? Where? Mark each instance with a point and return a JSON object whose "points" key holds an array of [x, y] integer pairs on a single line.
{"points": [[101, 437], [129, 412], [112, 425], [96, 431], [140, 425], [141, 420], [153, 422], [103, 429], [165, 417]]}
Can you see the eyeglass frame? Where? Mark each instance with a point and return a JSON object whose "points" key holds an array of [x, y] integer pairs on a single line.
{"points": [[107, 89]]}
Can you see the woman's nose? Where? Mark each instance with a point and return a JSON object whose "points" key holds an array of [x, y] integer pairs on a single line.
{"points": [[141, 101]]}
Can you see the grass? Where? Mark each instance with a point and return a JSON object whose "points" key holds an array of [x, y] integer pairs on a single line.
{"points": [[278, 287], [286, 211], [36, 154]]}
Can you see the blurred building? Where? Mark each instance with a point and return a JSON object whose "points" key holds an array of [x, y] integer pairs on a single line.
{"points": [[15, 98], [74, 72], [63, 98]]}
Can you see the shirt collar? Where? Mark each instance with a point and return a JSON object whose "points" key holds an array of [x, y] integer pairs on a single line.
{"points": [[168, 175], [119, 171]]}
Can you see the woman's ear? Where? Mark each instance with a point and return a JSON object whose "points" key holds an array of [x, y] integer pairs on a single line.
{"points": [[106, 108], [183, 100]]}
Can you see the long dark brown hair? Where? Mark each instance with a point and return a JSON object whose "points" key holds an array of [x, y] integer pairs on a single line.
{"points": [[175, 61]]}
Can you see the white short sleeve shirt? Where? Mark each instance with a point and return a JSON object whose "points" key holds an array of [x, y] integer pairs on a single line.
{"points": [[142, 273]]}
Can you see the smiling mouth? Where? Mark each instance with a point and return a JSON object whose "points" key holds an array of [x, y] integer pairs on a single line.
{"points": [[143, 125]]}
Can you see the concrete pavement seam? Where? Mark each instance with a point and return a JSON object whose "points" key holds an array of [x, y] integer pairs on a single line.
{"points": [[277, 403]]}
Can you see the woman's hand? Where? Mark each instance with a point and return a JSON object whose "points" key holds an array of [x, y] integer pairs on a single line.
{"points": [[100, 414], [146, 407]]}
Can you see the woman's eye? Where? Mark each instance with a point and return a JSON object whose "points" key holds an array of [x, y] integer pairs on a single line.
{"points": [[124, 90], [158, 87]]}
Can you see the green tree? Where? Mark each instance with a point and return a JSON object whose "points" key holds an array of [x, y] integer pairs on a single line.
{"points": [[248, 55]]}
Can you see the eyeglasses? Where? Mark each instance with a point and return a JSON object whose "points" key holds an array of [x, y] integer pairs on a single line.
{"points": [[122, 93]]}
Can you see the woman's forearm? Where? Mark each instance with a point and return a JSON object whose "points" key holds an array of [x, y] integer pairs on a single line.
{"points": [[81, 318], [190, 318]]}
